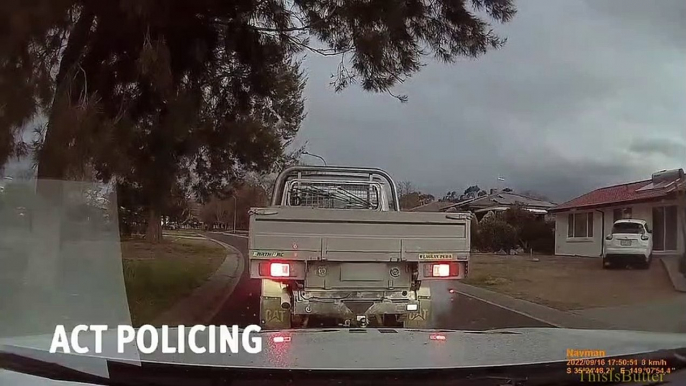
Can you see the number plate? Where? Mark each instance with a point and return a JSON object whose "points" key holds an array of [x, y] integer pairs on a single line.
{"points": [[625, 243], [435, 256]]}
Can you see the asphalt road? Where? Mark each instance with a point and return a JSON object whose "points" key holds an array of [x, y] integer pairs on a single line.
{"points": [[242, 307], [451, 310]]}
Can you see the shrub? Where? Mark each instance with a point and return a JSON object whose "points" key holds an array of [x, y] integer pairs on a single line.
{"points": [[533, 232], [516, 227], [495, 234], [538, 235], [474, 234]]}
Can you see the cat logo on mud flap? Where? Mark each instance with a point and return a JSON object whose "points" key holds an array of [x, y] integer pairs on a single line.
{"points": [[275, 315], [267, 254], [422, 315]]}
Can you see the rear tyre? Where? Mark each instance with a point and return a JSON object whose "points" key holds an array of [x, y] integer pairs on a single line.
{"points": [[385, 321], [607, 264], [646, 264]]}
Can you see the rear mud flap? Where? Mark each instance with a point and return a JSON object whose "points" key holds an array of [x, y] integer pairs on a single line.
{"points": [[272, 315], [421, 318]]}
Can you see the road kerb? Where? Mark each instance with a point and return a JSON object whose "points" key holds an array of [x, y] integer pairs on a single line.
{"points": [[535, 311], [205, 301], [235, 277], [671, 265]]}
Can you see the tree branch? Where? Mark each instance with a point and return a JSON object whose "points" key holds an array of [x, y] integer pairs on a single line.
{"points": [[292, 29]]}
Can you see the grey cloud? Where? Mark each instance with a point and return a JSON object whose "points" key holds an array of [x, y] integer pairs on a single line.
{"points": [[664, 21], [559, 109], [662, 146], [561, 179]]}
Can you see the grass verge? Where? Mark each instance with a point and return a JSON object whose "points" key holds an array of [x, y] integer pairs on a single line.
{"points": [[182, 232], [158, 275]]}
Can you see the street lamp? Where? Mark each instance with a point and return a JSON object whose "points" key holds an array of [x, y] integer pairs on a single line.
{"points": [[314, 155], [234, 213]]}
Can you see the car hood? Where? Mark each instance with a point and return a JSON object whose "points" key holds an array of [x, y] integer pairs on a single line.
{"points": [[382, 349]]}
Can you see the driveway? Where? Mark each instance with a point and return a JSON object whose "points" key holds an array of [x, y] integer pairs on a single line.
{"points": [[451, 311]]}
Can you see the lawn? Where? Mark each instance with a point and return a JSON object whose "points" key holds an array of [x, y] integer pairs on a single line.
{"points": [[568, 283], [158, 275]]}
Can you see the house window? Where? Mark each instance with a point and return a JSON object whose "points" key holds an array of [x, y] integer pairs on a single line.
{"points": [[580, 225], [621, 213]]}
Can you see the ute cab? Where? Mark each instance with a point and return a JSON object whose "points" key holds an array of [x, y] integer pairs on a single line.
{"points": [[629, 243]]}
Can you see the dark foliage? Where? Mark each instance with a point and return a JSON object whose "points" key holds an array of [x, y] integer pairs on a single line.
{"points": [[516, 227], [495, 234], [153, 93]]}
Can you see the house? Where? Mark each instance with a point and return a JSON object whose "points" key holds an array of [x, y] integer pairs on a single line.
{"points": [[436, 206], [582, 223], [494, 202]]}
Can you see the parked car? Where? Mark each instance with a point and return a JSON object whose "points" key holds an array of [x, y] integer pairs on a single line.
{"points": [[629, 243]]}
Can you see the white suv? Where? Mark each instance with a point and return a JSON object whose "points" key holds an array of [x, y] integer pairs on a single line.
{"points": [[631, 242]]}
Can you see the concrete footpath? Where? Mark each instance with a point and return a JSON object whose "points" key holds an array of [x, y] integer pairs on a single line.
{"points": [[666, 315], [658, 316], [205, 301], [541, 313], [671, 264]]}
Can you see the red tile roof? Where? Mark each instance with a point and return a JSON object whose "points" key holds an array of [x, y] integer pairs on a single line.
{"points": [[615, 194]]}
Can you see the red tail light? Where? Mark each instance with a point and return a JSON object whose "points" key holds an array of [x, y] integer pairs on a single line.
{"points": [[279, 269], [442, 269], [281, 339], [437, 337], [275, 269]]}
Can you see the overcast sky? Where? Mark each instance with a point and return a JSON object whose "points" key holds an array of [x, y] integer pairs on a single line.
{"points": [[584, 94]]}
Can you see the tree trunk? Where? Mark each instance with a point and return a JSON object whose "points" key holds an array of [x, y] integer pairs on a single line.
{"points": [[153, 232], [44, 261], [51, 163], [124, 229]]}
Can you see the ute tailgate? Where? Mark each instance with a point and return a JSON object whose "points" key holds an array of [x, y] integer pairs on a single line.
{"points": [[300, 233]]}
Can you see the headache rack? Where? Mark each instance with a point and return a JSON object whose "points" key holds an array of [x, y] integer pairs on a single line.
{"points": [[335, 187], [333, 194]]}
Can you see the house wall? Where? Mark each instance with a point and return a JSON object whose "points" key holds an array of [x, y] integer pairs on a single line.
{"points": [[577, 246], [591, 247]]}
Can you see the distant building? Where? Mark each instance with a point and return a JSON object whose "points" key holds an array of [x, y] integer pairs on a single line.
{"points": [[494, 202]]}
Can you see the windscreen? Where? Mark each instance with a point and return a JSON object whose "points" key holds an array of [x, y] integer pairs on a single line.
{"points": [[446, 164], [628, 227], [61, 265]]}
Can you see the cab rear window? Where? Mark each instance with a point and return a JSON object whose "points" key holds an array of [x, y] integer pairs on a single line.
{"points": [[628, 227]]}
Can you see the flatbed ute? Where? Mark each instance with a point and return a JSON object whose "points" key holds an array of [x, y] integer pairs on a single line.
{"points": [[334, 249]]}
